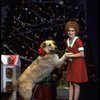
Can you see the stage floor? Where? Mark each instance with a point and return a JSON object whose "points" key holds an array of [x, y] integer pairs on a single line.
{"points": [[89, 91]]}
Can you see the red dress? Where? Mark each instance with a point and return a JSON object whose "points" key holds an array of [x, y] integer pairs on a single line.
{"points": [[76, 70]]}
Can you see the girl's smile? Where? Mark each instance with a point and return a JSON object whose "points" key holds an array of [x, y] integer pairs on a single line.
{"points": [[71, 33]]}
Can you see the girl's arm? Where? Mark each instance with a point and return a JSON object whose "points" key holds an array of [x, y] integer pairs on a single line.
{"points": [[80, 54]]}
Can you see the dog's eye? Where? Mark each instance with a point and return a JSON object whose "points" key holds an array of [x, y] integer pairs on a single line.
{"points": [[49, 44]]}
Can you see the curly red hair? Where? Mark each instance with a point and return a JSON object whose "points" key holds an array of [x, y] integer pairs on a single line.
{"points": [[72, 24]]}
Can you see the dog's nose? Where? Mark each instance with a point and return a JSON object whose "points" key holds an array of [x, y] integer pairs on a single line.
{"points": [[56, 48]]}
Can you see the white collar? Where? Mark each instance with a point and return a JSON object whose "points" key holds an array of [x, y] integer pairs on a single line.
{"points": [[73, 41]]}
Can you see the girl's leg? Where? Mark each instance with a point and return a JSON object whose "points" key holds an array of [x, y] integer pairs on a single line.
{"points": [[76, 91], [71, 90]]}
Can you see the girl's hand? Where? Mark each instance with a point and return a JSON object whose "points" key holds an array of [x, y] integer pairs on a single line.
{"points": [[68, 54]]}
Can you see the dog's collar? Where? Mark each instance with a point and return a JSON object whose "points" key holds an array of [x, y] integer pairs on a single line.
{"points": [[41, 52]]}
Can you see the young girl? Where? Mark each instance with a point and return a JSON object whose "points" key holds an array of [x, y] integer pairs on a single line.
{"points": [[76, 70]]}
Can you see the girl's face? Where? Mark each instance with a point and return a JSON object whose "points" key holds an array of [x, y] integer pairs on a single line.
{"points": [[71, 32]]}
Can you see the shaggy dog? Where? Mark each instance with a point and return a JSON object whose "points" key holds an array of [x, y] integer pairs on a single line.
{"points": [[39, 69]]}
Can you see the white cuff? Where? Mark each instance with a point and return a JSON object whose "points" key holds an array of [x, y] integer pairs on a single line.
{"points": [[80, 48]]}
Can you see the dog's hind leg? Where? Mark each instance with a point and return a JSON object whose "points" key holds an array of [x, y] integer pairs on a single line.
{"points": [[25, 90], [26, 93]]}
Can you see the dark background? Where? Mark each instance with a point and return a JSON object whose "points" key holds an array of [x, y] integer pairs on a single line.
{"points": [[90, 91], [93, 26]]}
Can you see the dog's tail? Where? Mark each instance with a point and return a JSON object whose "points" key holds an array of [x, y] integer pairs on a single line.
{"points": [[14, 92]]}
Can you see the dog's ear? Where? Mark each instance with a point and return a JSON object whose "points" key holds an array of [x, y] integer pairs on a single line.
{"points": [[42, 45], [53, 41]]}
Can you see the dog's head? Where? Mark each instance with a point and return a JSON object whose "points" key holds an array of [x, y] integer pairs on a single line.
{"points": [[49, 46]]}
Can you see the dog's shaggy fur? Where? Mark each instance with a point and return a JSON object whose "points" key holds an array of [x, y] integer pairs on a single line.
{"points": [[38, 70]]}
